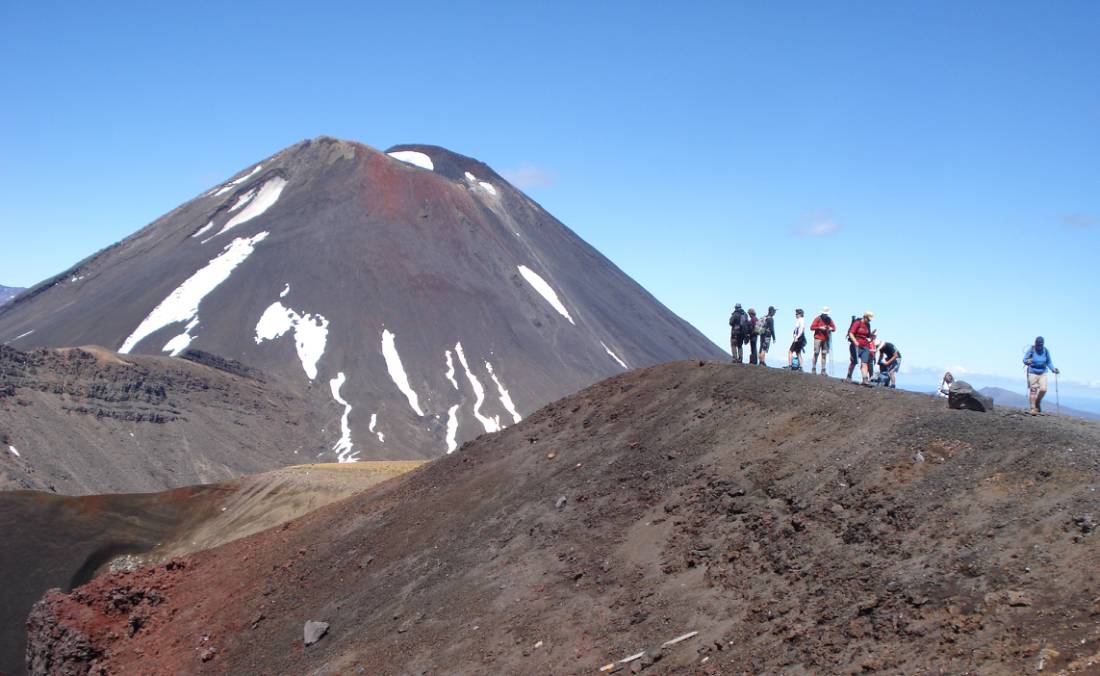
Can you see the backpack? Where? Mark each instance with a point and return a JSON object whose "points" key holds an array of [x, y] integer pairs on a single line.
{"points": [[761, 326], [739, 321]]}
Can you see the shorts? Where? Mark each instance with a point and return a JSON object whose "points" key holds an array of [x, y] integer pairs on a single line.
{"points": [[765, 343], [865, 355], [1037, 382], [890, 368], [821, 347], [799, 345]]}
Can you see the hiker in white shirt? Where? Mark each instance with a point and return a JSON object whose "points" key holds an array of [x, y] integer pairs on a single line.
{"points": [[799, 342]]}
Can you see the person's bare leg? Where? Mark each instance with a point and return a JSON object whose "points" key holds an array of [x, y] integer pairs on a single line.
{"points": [[1039, 400]]}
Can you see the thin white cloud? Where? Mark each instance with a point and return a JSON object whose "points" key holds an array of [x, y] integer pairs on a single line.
{"points": [[817, 224], [1080, 220], [528, 176]]}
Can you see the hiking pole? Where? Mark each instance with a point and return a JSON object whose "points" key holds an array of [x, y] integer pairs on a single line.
{"points": [[1057, 399]]}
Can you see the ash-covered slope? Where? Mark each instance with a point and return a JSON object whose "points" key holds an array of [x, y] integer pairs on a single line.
{"points": [[417, 291], [85, 420], [9, 292], [785, 519]]}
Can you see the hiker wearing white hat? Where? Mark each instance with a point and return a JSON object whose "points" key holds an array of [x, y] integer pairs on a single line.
{"points": [[823, 328]]}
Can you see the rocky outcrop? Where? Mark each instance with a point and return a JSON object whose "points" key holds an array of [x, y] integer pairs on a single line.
{"points": [[962, 396], [57, 648], [87, 420]]}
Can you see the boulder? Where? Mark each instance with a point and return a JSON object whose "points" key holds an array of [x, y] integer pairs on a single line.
{"points": [[963, 397], [314, 630]]}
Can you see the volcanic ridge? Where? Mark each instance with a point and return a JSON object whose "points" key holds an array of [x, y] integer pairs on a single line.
{"points": [[686, 518]]}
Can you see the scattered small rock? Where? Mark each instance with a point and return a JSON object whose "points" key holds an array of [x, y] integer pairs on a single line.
{"points": [[1086, 522], [314, 631], [560, 504], [551, 455]]}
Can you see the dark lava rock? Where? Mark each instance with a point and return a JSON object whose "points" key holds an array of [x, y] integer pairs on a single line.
{"points": [[963, 397]]}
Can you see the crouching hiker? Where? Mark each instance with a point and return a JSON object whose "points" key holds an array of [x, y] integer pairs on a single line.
{"points": [[889, 361], [1038, 361], [739, 333], [945, 385]]}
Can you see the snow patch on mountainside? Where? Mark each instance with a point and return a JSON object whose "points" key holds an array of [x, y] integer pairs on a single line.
{"points": [[505, 397], [452, 429], [182, 305], [344, 445], [614, 356], [545, 290], [310, 333], [373, 428], [243, 200], [183, 340], [490, 424], [209, 225], [488, 187], [229, 186], [266, 196], [397, 370], [414, 158], [451, 369]]}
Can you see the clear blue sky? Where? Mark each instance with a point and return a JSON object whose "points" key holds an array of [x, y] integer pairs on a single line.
{"points": [[937, 162]]}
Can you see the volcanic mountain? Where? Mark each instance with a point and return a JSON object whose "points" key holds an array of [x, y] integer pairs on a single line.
{"points": [[8, 292], [413, 293], [684, 519]]}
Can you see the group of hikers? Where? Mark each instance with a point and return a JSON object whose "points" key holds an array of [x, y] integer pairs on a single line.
{"points": [[746, 328], [864, 346]]}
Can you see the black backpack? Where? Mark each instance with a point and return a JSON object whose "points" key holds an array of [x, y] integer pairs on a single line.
{"points": [[739, 322]]}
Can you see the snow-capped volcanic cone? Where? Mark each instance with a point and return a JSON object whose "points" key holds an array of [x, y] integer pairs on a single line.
{"points": [[417, 294]]}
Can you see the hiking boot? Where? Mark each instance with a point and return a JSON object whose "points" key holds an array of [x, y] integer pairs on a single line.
{"points": [[813, 371]]}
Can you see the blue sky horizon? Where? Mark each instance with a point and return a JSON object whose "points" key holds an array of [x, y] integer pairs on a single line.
{"points": [[932, 162]]}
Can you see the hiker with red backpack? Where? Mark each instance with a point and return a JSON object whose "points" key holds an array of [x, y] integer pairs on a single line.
{"points": [[861, 346], [739, 333], [823, 328]]}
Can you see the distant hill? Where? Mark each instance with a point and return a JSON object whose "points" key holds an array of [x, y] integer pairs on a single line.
{"points": [[1003, 397], [9, 292]]}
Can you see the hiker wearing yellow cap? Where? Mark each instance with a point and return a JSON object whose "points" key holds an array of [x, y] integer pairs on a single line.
{"points": [[823, 328]]}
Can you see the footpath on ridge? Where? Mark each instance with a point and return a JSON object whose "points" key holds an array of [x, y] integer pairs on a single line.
{"points": [[780, 522]]}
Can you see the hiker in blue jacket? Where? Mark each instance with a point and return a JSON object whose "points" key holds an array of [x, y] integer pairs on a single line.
{"points": [[1038, 362]]}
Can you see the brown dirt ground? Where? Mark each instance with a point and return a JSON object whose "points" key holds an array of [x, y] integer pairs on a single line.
{"points": [[781, 516]]}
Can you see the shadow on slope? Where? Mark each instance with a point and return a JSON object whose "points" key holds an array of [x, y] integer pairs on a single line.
{"points": [[797, 524]]}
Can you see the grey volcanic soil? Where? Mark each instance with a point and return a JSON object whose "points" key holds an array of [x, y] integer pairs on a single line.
{"points": [[84, 420], [784, 517]]}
